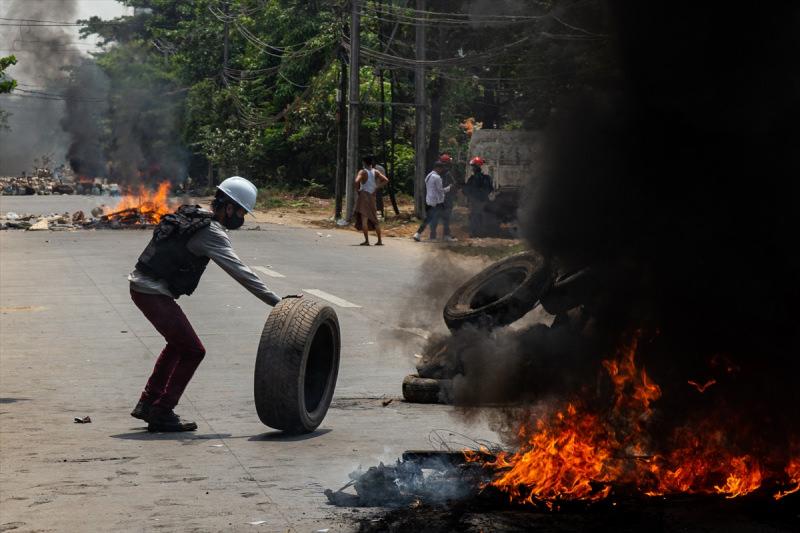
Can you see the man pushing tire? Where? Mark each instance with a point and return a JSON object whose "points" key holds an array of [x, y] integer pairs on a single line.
{"points": [[170, 266]]}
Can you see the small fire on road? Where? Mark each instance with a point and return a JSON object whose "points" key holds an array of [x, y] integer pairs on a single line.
{"points": [[143, 207]]}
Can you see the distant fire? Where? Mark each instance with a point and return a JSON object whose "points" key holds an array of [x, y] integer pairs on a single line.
{"points": [[583, 453], [141, 207]]}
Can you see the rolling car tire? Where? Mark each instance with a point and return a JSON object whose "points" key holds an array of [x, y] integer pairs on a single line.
{"points": [[297, 365]]}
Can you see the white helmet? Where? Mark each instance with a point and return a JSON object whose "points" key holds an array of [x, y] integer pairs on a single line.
{"points": [[241, 191]]}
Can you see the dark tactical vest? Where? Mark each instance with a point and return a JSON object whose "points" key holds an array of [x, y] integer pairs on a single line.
{"points": [[167, 257]]}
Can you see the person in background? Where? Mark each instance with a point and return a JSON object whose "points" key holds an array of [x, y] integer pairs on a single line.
{"points": [[477, 190], [434, 199], [449, 197], [367, 182]]}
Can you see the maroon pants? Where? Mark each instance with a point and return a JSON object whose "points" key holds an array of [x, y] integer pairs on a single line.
{"points": [[179, 358]]}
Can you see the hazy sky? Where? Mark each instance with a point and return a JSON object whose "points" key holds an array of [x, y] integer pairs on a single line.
{"points": [[10, 36], [34, 122]]}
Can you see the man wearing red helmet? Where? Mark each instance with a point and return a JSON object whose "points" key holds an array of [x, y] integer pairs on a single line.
{"points": [[477, 190]]}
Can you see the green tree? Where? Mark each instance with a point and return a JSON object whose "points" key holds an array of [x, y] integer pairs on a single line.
{"points": [[6, 86], [270, 111]]}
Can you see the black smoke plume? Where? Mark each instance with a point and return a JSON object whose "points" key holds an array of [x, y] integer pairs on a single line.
{"points": [[85, 119], [677, 182], [43, 53], [124, 122]]}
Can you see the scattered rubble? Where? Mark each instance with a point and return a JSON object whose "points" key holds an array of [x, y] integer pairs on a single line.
{"points": [[43, 183], [126, 218], [40, 225], [84, 420]]}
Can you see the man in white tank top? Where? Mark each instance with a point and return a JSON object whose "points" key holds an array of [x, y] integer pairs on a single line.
{"points": [[367, 182]]}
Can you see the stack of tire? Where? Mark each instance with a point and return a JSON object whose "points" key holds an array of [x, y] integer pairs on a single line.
{"points": [[497, 296]]}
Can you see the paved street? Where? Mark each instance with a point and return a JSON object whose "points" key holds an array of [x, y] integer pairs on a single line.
{"points": [[73, 344]]}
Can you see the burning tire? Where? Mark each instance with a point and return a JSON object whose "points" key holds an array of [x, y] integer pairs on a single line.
{"points": [[569, 290], [297, 365], [500, 294], [426, 390]]}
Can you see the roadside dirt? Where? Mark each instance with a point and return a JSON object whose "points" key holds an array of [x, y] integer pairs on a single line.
{"points": [[310, 212]]}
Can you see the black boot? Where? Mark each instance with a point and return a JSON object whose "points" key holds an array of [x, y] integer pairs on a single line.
{"points": [[142, 410], [167, 420]]}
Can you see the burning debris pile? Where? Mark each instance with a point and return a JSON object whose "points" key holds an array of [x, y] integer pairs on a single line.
{"points": [[664, 216], [141, 210], [584, 451], [137, 210]]}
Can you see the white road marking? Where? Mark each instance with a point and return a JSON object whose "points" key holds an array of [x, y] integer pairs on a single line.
{"points": [[331, 298], [269, 272]]}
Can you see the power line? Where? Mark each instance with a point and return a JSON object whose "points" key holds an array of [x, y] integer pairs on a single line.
{"points": [[465, 60], [37, 20], [38, 50], [47, 95], [32, 25], [422, 13], [468, 19]]}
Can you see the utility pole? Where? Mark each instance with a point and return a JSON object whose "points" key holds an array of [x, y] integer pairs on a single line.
{"points": [[341, 132], [353, 118], [225, 47], [224, 73], [420, 115]]}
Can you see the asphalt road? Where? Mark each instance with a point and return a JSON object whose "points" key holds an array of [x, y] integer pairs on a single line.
{"points": [[72, 344]]}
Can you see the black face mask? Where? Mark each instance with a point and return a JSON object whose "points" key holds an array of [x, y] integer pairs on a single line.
{"points": [[233, 221]]}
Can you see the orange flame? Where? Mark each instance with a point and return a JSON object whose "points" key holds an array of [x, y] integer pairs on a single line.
{"points": [[566, 459], [578, 454], [744, 478], [151, 205], [793, 473], [702, 388]]}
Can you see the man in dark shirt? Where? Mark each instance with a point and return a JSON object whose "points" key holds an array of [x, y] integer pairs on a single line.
{"points": [[449, 197], [477, 190]]}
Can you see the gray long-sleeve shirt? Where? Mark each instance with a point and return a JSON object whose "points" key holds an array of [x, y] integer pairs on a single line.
{"points": [[212, 242]]}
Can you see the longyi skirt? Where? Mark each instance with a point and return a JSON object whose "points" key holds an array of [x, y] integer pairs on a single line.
{"points": [[365, 205]]}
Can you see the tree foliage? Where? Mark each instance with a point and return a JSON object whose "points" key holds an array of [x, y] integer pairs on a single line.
{"points": [[270, 111], [6, 86]]}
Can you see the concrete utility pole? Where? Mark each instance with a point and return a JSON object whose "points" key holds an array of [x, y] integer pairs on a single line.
{"points": [[224, 73], [353, 116], [341, 132], [421, 117], [225, 47]]}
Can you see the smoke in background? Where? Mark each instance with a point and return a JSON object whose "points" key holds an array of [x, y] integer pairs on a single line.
{"points": [[85, 117], [42, 53], [144, 123], [678, 184], [123, 120]]}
